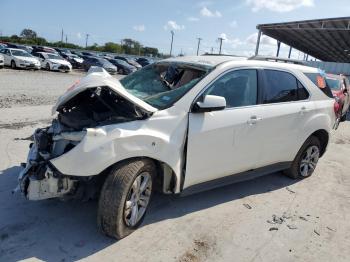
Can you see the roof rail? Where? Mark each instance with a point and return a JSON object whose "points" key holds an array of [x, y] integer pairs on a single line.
{"points": [[278, 59]]}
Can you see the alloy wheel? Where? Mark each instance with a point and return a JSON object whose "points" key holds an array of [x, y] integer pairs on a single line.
{"points": [[309, 161], [137, 199]]}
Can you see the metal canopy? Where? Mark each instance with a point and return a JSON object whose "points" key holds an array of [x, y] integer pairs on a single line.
{"points": [[325, 39]]}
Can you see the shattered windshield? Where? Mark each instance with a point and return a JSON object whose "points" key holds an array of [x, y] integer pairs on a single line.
{"points": [[162, 84]]}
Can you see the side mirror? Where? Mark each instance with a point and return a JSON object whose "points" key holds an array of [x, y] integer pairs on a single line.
{"points": [[210, 103]]}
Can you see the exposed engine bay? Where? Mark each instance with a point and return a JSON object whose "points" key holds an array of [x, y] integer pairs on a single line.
{"points": [[93, 107]]}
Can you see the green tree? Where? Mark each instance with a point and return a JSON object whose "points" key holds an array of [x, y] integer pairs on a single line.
{"points": [[28, 33]]}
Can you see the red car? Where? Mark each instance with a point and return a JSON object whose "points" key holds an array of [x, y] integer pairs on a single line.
{"points": [[339, 85]]}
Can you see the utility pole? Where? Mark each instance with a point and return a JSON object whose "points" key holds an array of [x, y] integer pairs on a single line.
{"points": [[172, 39], [86, 40], [212, 50], [199, 42], [62, 36], [220, 39], [66, 39]]}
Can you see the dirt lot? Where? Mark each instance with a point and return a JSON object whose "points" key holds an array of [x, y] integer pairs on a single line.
{"points": [[271, 218]]}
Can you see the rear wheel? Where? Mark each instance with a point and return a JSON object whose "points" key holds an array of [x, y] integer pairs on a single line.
{"points": [[47, 67], [306, 160], [124, 198]]}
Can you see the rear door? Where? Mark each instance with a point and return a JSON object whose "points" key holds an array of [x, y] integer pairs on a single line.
{"points": [[285, 110]]}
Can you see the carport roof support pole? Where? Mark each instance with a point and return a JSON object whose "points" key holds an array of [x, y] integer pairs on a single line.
{"points": [[290, 51], [278, 48], [258, 43]]}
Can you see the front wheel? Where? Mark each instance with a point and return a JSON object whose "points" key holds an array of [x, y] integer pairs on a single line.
{"points": [[13, 64], [125, 197], [306, 160], [47, 67]]}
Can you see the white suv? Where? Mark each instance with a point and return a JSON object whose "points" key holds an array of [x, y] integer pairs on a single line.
{"points": [[180, 125]]}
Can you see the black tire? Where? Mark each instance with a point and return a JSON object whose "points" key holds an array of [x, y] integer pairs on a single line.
{"points": [[294, 171], [343, 117], [47, 67], [114, 194], [13, 64], [120, 71]]}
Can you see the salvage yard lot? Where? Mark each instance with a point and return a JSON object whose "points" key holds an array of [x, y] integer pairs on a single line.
{"points": [[271, 218]]}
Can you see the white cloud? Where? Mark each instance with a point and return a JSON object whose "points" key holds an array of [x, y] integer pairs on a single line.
{"points": [[233, 42], [79, 35], [193, 19], [208, 13], [172, 25], [204, 3], [279, 5], [264, 40], [233, 24], [139, 28]]}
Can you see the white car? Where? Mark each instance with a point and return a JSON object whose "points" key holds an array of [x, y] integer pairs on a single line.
{"points": [[2, 64], [178, 126], [18, 58], [53, 62]]}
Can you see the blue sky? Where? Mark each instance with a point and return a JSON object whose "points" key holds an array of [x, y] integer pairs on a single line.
{"points": [[150, 21]]}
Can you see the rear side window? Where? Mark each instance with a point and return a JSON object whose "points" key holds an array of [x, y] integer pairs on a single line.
{"points": [[320, 82], [279, 87]]}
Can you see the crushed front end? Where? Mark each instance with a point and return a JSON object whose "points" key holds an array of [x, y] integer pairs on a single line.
{"points": [[39, 179]]}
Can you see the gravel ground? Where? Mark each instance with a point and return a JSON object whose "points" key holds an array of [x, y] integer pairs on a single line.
{"points": [[271, 218], [23, 87]]}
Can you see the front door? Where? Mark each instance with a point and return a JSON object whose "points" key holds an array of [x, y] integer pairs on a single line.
{"points": [[226, 142]]}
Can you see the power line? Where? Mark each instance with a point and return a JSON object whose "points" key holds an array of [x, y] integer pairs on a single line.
{"points": [[199, 41]]}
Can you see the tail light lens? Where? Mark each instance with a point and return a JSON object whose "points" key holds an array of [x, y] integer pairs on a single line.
{"points": [[336, 106]]}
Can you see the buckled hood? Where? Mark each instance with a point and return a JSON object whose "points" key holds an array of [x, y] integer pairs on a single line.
{"points": [[97, 76]]}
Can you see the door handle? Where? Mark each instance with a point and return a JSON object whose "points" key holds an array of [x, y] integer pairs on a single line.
{"points": [[253, 120]]}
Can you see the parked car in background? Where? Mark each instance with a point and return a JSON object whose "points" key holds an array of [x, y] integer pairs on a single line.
{"points": [[76, 61], [144, 61], [23, 47], [53, 62], [2, 63], [3, 45], [123, 67], [129, 61], [44, 49], [340, 88], [178, 126], [87, 53], [18, 58], [101, 62]]}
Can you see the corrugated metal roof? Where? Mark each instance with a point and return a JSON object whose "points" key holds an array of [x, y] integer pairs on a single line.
{"points": [[325, 39]]}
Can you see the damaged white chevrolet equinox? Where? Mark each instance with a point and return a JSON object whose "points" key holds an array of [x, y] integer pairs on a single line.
{"points": [[180, 125]]}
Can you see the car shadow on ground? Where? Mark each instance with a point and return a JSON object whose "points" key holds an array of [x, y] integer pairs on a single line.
{"points": [[52, 230]]}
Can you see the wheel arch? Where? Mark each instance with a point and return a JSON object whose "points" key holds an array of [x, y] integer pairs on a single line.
{"points": [[323, 137], [165, 179]]}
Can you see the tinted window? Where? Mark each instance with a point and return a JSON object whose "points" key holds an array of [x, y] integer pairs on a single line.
{"points": [[315, 78], [303, 94], [280, 87], [238, 87]]}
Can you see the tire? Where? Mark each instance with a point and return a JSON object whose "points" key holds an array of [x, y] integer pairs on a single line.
{"points": [[306, 159], [343, 117], [13, 64], [47, 67], [120, 71], [118, 195]]}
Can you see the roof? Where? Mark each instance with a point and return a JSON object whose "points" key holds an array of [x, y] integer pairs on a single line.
{"points": [[325, 39], [209, 60]]}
